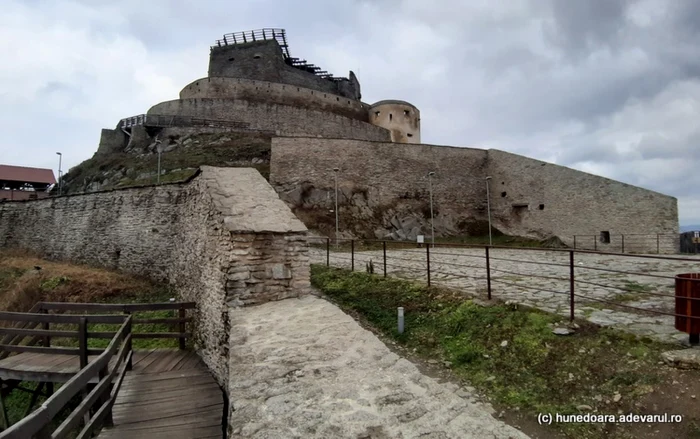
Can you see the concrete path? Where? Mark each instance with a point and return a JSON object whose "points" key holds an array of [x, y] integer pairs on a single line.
{"points": [[301, 368], [513, 272]]}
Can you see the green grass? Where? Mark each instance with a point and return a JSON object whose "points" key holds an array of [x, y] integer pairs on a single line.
{"points": [[537, 371], [636, 287]]}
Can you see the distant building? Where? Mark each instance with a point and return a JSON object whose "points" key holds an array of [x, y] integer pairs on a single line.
{"points": [[23, 183]]}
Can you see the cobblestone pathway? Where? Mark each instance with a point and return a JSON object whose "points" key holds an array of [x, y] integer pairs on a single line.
{"points": [[513, 278], [301, 368]]}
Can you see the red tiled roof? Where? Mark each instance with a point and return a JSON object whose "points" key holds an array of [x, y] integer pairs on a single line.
{"points": [[26, 175]]}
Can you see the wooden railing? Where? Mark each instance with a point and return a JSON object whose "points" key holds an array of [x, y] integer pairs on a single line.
{"points": [[40, 314], [165, 121], [179, 323], [98, 400], [25, 336]]}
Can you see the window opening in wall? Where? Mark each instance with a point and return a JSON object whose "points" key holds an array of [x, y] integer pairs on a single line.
{"points": [[231, 59], [503, 182], [605, 237], [541, 206], [503, 194], [257, 56], [406, 112], [391, 116], [337, 99], [409, 135], [376, 113]]}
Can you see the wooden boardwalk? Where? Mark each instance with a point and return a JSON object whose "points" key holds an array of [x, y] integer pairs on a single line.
{"points": [[168, 394], [151, 393]]}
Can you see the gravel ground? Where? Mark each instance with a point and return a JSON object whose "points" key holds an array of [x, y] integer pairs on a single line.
{"points": [[521, 276]]}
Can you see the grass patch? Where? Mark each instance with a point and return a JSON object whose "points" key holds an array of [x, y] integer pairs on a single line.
{"points": [[637, 287], [508, 352]]}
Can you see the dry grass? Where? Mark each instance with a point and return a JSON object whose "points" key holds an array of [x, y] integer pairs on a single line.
{"points": [[25, 279]]}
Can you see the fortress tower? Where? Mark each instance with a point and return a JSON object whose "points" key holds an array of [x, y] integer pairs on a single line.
{"points": [[399, 117], [255, 85], [263, 55]]}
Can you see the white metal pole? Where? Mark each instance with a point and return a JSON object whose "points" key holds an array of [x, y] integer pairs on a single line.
{"points": [[60, 156], [159, 149]]}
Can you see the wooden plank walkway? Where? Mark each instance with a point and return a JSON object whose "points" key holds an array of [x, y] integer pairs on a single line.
{"points": [[168, 394]]}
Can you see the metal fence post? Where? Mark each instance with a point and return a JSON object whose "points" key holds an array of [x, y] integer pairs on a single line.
{"points": [[657, 243], [488, 272], [352, 255], [595, 243], [328, 252], [384, 251], [574, 243], [571, 284], [623, 243], [427, 261]]}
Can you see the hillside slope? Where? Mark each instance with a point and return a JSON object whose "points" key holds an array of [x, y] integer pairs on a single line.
{"points": [[182, 155]]}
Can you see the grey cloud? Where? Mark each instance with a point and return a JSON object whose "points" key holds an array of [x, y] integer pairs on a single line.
{"points": [[584, 83], [582, 26]]}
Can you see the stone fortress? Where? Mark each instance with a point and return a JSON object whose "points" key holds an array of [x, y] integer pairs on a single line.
{"points": [[317, 122]]}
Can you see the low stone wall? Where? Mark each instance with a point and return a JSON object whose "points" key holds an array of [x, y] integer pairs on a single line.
{"points": [[223, 239]]}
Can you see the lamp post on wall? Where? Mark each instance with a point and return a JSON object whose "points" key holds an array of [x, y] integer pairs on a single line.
{"points": [[160, 150], [488, 206], [431, 174], [60, 156], [335, 174]]}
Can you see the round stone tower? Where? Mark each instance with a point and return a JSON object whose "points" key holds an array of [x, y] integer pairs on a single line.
{"points": [[399, 117]]}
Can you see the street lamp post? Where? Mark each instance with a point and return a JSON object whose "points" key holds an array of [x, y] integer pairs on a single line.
{"points": [[431, 174], [335, 174], [160, 150], [488, 207], [60, 156]]}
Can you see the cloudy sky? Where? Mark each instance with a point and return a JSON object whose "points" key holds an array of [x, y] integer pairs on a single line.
{"points": [[610, 87]]}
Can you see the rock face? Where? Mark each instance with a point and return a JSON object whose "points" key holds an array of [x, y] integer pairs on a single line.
{"points": [[183, 151], [303, 368], [683, 359]]}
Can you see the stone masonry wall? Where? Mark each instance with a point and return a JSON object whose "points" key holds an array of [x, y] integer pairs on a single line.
{"points": [[263, 60], [381, 185], [227, 223], [534, 198], [285, 120], [275, 93], [528, 197]]}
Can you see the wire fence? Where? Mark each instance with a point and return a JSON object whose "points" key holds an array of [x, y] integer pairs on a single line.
{"points": [[634, 243], [572, 282]]}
